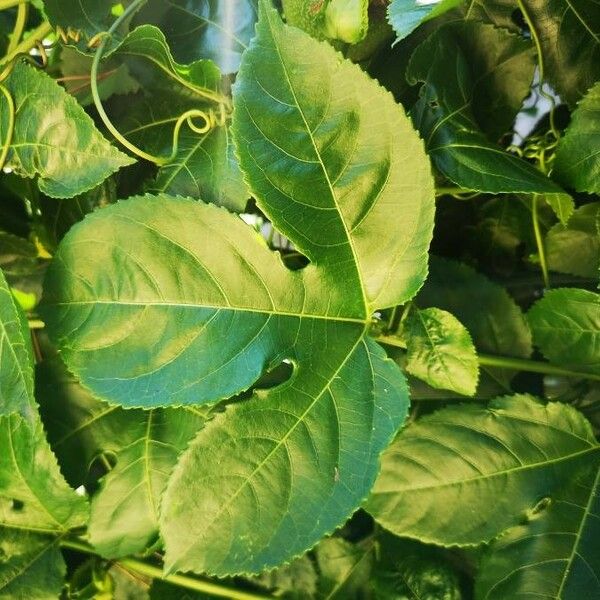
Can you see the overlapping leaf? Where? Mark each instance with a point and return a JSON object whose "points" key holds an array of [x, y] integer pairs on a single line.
{"points": [[406, 15], [54, 139], [577, 162], [479, 470], [272, 474], [454, 101]]}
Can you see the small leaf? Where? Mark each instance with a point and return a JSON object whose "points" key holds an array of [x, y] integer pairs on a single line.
{"points": [[575, 248], [16, 371], [569, 35], [554, 554], [440, 351], [54, 138], [478, 470], [577, 162], [406, 15], [563, 206], [464, 66], [346, 20], [566, 327]]}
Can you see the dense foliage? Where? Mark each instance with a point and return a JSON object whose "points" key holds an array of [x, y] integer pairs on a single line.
{"points": [[300, 300]]}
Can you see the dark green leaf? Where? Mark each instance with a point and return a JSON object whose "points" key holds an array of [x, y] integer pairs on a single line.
{"points": [[577, 162], [566, 327], [500, 13], [54, 138], [440, 351], [569, 34], [465, 69], [575, 248], [554, 554], [478, 470]]}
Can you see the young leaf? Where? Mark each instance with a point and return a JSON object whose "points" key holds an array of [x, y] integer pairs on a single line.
{"points": [[555, 553], [577, 162], [575, 248], [204, 29], [440, 351], [16, 371], [54, 138], [124, 512], [315, 457], [563, 206], [566, 327], [447, 113], [569, 35], [479, 470], [406, 15]]}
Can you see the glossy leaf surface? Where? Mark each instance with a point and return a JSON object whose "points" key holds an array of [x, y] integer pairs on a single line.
{"points": [[406, 15]]}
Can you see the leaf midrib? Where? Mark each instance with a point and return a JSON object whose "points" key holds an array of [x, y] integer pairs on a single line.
{"points": [[518, 469]]}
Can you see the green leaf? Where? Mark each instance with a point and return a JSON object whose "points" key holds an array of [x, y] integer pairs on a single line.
{"points": [[149, 340], [209, 29], [18, 256], [569, 35], [577, 161], [497, 12], [406, 15], [566, 327], [555, 553], [575, 248], [54, 138], [345, 568], [498, 461], [563, 206], [16, 371], [31, 566], [124, 513], [440, 351], [294, 581], [465, 68], [491, 316]]}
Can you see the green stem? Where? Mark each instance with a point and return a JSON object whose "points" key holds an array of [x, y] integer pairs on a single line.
{"points": [[190, 583], [539, 240], [4, 4], [38, 34], [506, 362], [15, 37]]}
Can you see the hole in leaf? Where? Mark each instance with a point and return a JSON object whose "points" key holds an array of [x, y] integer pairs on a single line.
{"points": [[275, 376], [17, 505], [434, 104]]}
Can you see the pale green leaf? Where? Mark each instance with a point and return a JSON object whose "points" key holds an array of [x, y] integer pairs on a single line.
{"points": [[54, 138], [566, 327], [577, 162], [466, 473], [406, 15], [554, 554], [575, 248], [569, 35], [440, 351], [563, 206], [465, 68]]}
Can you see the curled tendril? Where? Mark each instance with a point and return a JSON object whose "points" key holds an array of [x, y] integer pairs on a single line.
{"points": [[208, 118]]}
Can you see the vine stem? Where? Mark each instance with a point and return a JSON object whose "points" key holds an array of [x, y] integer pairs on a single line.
{"points": [[506, 362], [190, 583], [5, 4], [539, 240], [39, 33], [22, 12]]}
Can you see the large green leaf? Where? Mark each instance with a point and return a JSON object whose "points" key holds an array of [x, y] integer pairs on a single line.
{"points": [[466, 473], [555, 553], [465, 68], [209, 29], [566, 327], [16, 371], [574, 248], [139, 333], [440, 351], [54, 138], [577, 161], [569, 34], [124, 513]]}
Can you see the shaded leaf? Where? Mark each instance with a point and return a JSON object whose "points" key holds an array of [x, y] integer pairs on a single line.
{"points": [[500, 13], [296, 580], [566, 327], [577, 161], [479, 470], [440, 351], [575, 248], [465, 68], [54, 138], [555, 553]]}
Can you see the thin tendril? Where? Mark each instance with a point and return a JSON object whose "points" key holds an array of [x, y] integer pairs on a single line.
{"points": [[209, 118], [22, 12], [11, 125]]}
